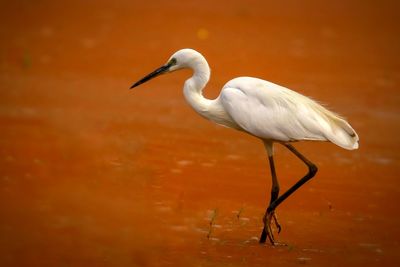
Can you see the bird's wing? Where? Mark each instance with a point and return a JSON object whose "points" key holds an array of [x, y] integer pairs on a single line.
{"points": [[270, 111]]}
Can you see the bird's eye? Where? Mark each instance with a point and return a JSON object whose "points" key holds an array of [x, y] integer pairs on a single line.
{"points": [[172, 62]]}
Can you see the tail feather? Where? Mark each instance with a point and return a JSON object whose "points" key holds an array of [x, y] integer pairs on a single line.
{"points": [[337, 129], [343, 134]]}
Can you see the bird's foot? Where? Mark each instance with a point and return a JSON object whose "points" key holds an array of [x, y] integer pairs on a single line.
{"points": [[277, 224], [270, 217]]}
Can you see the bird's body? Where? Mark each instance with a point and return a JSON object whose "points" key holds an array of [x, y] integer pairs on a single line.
{"points": [[265, 110]]}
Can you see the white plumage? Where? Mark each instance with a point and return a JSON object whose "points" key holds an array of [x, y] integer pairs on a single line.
{"points": [[273, 112], [265, 110]]}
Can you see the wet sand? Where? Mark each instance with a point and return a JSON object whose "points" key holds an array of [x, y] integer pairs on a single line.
{"points": [[93, 174]]}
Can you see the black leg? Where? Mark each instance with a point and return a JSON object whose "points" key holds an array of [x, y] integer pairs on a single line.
{"points": [[274, 194], [312, 170], [275, 183], [275, 200]]}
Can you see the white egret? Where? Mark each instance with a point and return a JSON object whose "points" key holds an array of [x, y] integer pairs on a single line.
{"points": [[265, 110]]}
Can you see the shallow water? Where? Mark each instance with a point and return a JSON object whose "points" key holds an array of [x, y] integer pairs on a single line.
{"points": [[93, 174]]}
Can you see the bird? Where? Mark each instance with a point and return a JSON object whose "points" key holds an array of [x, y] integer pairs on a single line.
{"points": [[267, 111]]}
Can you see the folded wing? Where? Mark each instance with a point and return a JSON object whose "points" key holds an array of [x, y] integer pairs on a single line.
{"points": [[273, 112]]}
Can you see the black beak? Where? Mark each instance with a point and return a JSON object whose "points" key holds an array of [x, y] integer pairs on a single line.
{"points": [[157, 72]]}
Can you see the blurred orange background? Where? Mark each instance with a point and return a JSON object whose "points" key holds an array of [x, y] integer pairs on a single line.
{"points": [[94, 174]]}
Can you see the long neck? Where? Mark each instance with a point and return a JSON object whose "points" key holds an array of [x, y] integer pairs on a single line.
{"points": [[194, 86]]}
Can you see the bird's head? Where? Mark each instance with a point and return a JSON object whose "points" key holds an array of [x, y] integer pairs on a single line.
{"points": [[184, 58]]}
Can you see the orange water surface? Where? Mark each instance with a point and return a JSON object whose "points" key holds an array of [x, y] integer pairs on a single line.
{"points": [[94, 174]]}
